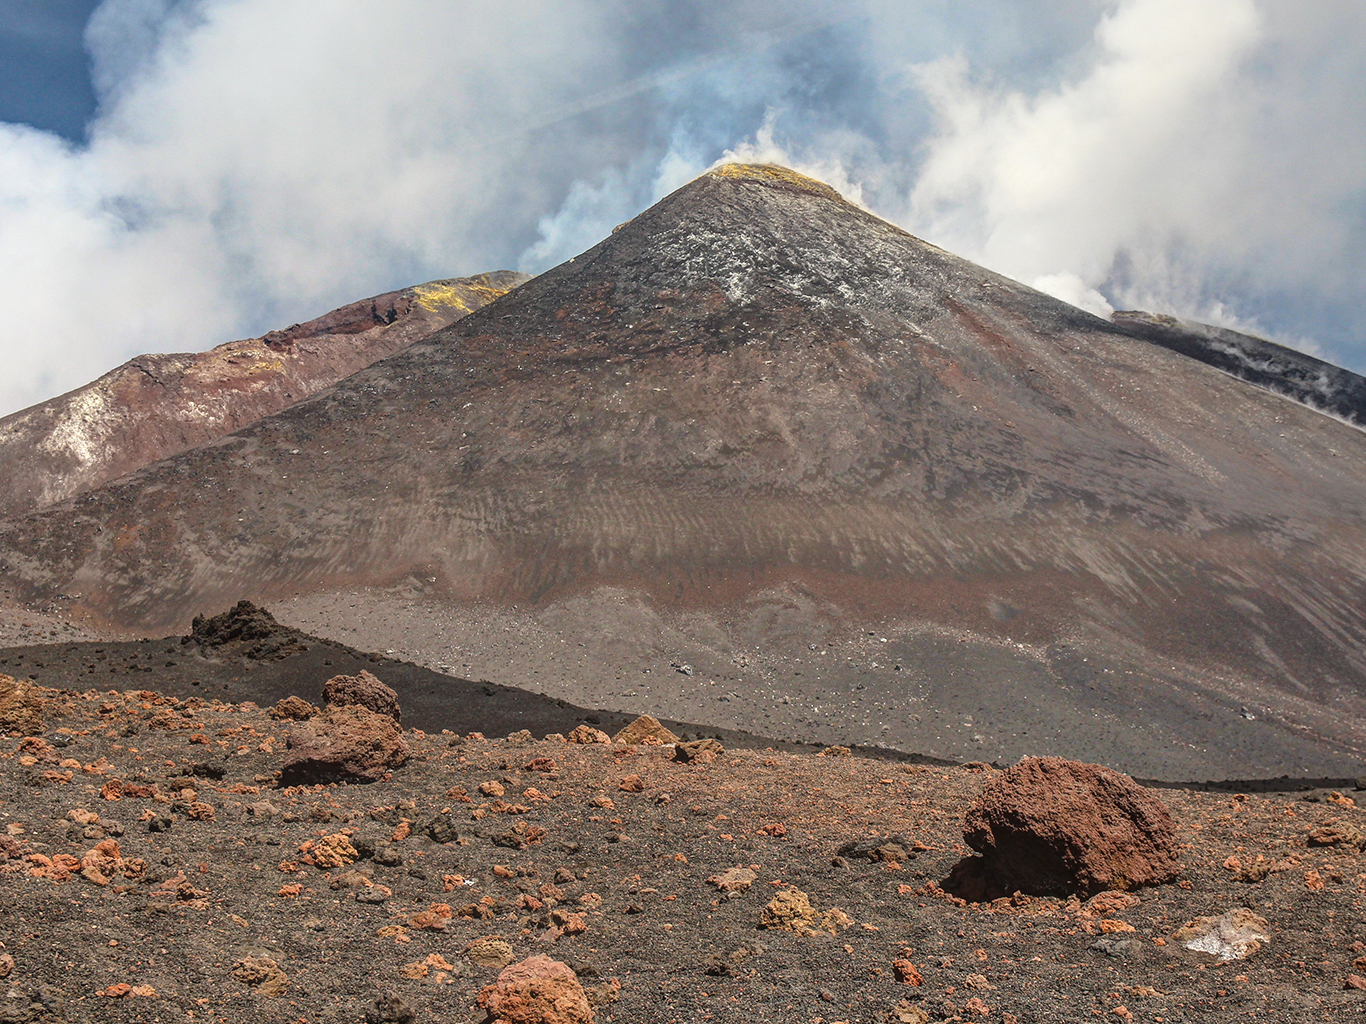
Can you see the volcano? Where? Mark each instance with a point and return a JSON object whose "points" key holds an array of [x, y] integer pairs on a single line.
{"points": [[762, 457], [155, 406]]}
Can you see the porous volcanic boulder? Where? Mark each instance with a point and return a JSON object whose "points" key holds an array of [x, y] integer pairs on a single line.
{"points": [[1053, 827], [645, 731], [21, 709], [346, 743], [538, 990], [702, 751], [366, 691]]}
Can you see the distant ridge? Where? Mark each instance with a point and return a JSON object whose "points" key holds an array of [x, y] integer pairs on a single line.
{"points": [[155, 406], [1306, 379]]}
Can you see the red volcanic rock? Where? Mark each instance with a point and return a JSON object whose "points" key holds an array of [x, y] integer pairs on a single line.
{"points": [[1049, 826], [538, 990], [364, 691], [155, 406], [20, 707], [346, 743]]}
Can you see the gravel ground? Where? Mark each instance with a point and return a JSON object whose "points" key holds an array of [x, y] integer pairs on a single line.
{"points": [[600, 855]]}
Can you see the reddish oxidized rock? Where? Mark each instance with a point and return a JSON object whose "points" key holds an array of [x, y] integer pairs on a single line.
{"points": [[364, 690], [343, 744], [538, 990], [1053, 827]]}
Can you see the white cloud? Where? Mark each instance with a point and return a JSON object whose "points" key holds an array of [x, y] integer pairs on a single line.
{"points": [[255, 162], [1195, 153]]}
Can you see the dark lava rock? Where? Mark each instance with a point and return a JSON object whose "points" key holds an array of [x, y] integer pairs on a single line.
{"points": [[364, 690], [343, 744], [390, 1008], [248, 630], [1053, 827], [441, 828]]}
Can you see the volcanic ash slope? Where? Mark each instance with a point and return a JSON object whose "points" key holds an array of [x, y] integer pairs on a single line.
{"points": [[757, 397]]}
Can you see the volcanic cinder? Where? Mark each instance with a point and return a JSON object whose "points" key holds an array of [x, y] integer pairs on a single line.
{"points": [[750, 428]]}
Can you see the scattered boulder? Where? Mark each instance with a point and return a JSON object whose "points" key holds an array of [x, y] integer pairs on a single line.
{"points": [[293, 709], [698, 751], [645, 731], [1053, 827], [538, 990], [587, 734], [262, 974], [879, 849], [348, 743], [390, 1008], [1230, 936], [21, 709], [734, 880], [1338, 833], [365, 691], [791, 911], [490, 951]]}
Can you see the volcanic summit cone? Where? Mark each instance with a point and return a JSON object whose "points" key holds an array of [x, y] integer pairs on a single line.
{"points": [[757, 388]]}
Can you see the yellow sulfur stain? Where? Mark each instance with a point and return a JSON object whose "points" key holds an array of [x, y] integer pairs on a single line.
{"points": [[770, 173], [442, 295]]}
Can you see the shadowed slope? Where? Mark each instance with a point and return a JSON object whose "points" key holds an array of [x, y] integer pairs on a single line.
{"points": [[754, 384], [155, 406], [1285, 371]]}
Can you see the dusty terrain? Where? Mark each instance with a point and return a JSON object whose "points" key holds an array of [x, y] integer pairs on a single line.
{"points": [[159, 405], [599, 856]]}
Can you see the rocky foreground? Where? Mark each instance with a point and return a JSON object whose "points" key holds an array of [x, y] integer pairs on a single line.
{"points": [[154, 867]]}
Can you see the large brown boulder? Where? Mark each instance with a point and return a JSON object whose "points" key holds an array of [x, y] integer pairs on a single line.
{"points": [[346, 743], [364, 690], [21, 709], [1053, 827], [538, 990]]}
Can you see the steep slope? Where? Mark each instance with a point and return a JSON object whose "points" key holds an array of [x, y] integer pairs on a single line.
{"points": [[757, 389], [1296, 375], [155, 406]]}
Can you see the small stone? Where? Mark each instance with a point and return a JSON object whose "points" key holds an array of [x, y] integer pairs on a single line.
{"points": [[908, 1013], [293, 709], [492, 788], [441, 828], [1352, 981], [907, 973], [6, 965], [631, 784], [390, 1008], [587, 734], [262, 974], [703, 751], [1230, 936], [521, 737], [737, 879], [791, 910], [490, 951]]}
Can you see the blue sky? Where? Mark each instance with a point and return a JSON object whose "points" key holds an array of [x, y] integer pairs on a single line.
{"points": [[46, 76], [178, 173]]}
